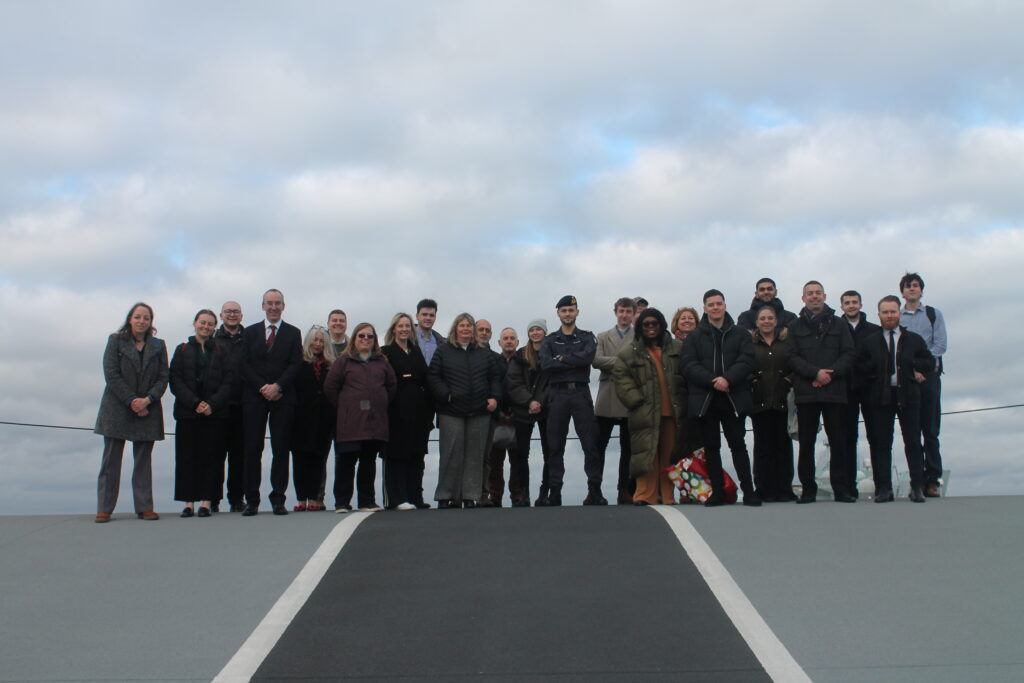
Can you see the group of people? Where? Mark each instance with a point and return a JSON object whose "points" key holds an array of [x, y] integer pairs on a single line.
{"points": [[671, 388]]}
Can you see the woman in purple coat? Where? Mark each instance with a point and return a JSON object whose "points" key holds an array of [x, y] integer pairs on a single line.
{"points": [[360, 384]]}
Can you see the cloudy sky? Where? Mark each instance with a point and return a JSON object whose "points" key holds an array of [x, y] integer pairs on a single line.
{"points": [[495, 156]]}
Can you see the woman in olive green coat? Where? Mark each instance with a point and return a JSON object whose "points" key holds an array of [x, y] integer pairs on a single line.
{"points": [[646, 380]]}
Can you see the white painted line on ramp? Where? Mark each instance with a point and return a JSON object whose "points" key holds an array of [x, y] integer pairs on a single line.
{"points": [[763, 642], [242, 667]]}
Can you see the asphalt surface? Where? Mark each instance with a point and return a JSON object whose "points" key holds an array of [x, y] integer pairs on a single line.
{"points": [[570, 594]]}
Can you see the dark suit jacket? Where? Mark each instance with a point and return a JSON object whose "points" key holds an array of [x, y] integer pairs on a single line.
{"points": [[911, 354], [277, 365]]}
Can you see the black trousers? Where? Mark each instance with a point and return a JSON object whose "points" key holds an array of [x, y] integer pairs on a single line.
{"points": [[773, 454], [520, 458], [930, 417], [604, 435], [833, 415], [233, 457], [575, 404], [401, 477], [733, 427], [308, 468], [856, 407], [257, 414], [345, 468], [198, 446], [883, 419]]}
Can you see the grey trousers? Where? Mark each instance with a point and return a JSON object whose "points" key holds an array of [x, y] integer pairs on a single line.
{"points": [[463, 443], [110, 475]]}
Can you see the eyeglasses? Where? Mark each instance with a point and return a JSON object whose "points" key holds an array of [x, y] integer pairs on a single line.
{"points": [[231, 311], [366, 335]]}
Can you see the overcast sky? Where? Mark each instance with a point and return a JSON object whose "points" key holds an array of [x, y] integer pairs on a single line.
{"points": [[495, 156]]}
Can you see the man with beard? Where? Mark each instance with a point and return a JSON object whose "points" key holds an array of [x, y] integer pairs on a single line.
{"points": [[856, 388], [896, 364], [765, 294], [821, 356]]}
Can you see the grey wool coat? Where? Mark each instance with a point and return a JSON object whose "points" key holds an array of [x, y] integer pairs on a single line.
{"points": [[128, 376]]}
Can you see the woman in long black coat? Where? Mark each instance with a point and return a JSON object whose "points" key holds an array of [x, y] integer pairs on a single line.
{"points": [[201, 379], [315, 418], [410, 418]]}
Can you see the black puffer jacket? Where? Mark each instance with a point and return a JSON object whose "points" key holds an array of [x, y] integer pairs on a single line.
{"points": [[525, 385], [748, 318], [825, 342], [462, 380], [217, 380], [699, 362]]}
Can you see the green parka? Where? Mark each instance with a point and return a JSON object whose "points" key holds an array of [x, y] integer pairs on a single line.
{"points": [[636, 383]]}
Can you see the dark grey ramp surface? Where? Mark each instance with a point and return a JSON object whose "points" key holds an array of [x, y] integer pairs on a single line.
{"points": [[597, 594]]}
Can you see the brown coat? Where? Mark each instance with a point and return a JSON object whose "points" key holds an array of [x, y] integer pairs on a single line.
{"points": [[361, 390]]}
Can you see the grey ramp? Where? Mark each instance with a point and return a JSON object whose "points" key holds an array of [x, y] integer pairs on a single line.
{"points": [[598, 594]]}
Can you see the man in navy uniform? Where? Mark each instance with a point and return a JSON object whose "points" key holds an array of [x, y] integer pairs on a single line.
{"points": [[567, 354]]}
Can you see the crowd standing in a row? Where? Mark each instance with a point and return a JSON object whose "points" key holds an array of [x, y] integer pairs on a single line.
{"points": [[669, 387]]}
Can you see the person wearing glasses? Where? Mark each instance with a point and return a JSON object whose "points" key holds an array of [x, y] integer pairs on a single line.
{"points": [[313, 428], [463, 378], [360, 385], [135, 370], [410, 418], [202, 381], [646, 376], [229, 338]]}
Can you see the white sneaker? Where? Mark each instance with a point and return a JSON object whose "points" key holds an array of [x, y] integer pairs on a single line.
{"points": [[342, 511], [375, 508], [405, 506]]}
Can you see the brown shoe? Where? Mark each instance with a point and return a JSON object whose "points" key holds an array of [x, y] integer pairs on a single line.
{"points": [[102, 517], [148, 515], [932, 491]]}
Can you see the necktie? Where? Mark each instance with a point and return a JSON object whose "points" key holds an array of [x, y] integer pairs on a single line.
{"points": [[892, 352], [272, 336]]}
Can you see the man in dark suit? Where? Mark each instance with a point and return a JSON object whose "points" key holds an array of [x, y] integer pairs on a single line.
{"points": [[271, 358], [895, 361], [856, 391]]}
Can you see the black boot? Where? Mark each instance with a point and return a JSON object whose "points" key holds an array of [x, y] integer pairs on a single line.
{"points": [[555, 496], [750, 497], [594, 497], [542, 498]]}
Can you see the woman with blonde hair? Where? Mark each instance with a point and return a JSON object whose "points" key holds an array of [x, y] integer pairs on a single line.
{"points": [[410, 418], [361, 385], [464, 380], [684, 322], [136, 374], [770, 385], [313, 425]]}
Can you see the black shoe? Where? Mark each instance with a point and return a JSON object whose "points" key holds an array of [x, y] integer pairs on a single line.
{"points": [[641, 503], [884, 496], [446, 504], [843, 497], [752, 500], [542, 498], [786, 496], [203, 512], [250, 510], [521, 503], [807, 497], [280, 510], [594, 497], [555, 498], [187, 512], [916, 494], [215, 507], [237, 507], [714, 500], [422, 505], [470, 504]]}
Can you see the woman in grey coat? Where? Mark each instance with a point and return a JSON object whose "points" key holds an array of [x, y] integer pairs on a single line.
{"points": [[136, 373]]}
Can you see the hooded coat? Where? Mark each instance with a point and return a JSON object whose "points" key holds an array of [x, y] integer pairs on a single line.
{"points": [[636, 385]]}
